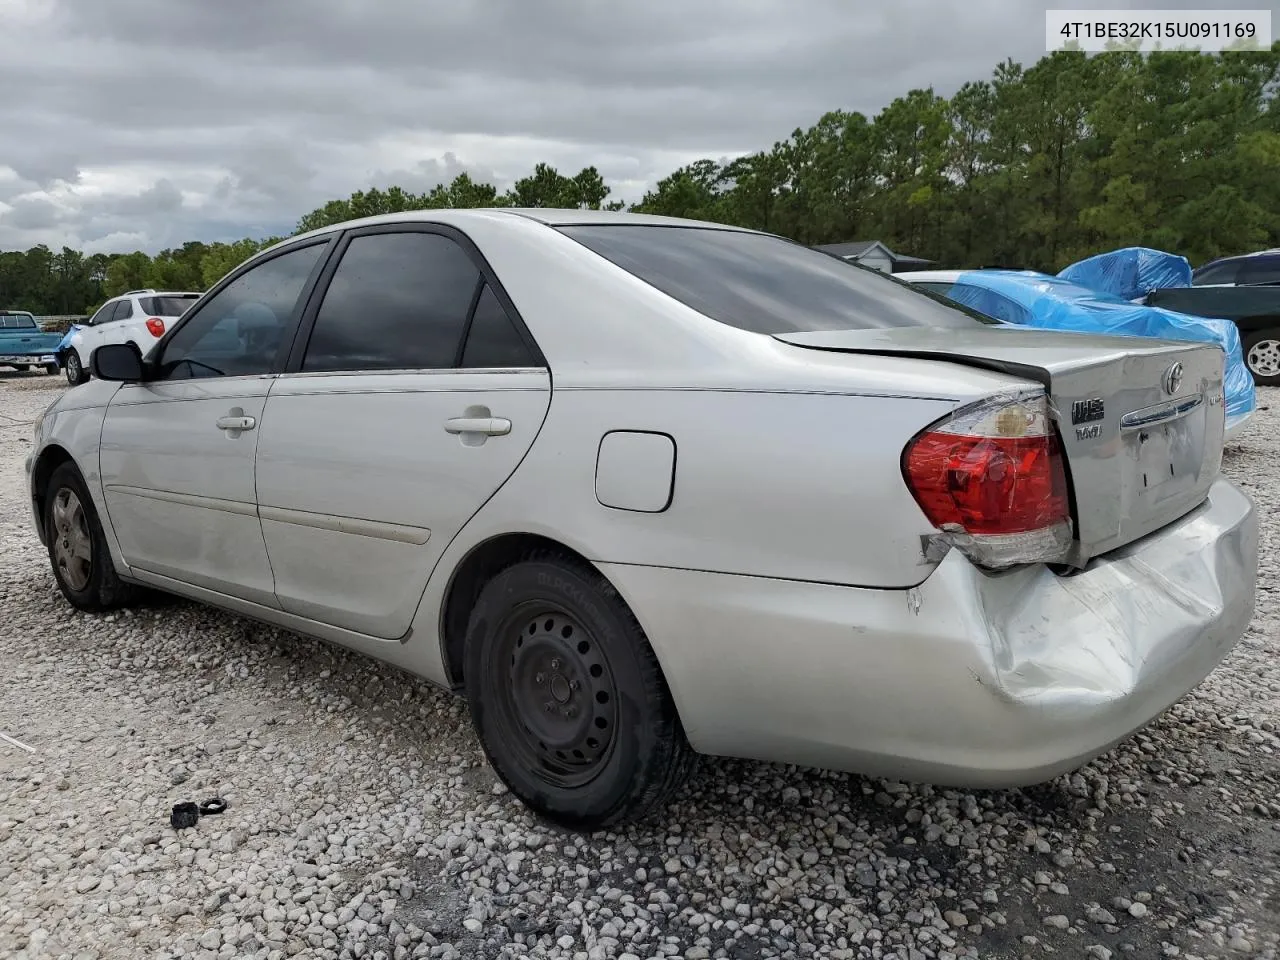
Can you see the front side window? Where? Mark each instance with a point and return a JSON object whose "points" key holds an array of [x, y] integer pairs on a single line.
{"points": [[397, 301], [764, 284], [1224, 271], [240, 330]]}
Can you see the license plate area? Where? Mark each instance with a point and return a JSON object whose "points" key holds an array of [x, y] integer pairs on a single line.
{"points": [[1164, 451]]}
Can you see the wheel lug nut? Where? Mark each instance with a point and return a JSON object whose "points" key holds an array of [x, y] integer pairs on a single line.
{"points": [[549, 707], [555, 663], [540, 679], [575, 684]]}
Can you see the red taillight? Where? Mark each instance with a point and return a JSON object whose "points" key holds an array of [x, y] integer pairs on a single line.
{"points": [[992, 476], [156, 327]]}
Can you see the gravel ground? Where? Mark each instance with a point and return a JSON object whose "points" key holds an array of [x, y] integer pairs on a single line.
{"points": [[364, 821]]}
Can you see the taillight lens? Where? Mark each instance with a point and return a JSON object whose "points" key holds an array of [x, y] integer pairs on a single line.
{"points": [[156, 327], [990, 477]]}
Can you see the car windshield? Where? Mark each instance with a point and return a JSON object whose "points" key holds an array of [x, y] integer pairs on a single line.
{"points": [[765, 284], [168, 306]]}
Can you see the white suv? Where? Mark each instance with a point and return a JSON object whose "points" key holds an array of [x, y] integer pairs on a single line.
{"points": [[139, 317]]}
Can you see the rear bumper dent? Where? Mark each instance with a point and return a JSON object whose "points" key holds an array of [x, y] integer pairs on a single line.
{"points": [[970, 679]]}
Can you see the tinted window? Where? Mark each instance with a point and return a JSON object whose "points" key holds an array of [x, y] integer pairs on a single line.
{"points": [[398, 301], [20, 321], [239, 331], [764, 284], [124, 310], [934, 286], [493, 340], [166, 306], [1224, 271], [1261, 270]]}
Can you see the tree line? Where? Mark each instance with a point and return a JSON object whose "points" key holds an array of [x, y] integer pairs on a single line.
{"points": [[1033, 168]]}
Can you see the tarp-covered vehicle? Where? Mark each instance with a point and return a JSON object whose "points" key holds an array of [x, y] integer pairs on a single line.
{"points": [[1031, 299], [1159, 279]]}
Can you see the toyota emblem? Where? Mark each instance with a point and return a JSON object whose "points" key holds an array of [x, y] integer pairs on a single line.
{"points": [[1173, 379]]}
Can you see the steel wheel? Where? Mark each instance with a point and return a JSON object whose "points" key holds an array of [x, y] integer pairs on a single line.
{"points": [[72, 543], [1264, 358], [558, 701], [75, 374]]}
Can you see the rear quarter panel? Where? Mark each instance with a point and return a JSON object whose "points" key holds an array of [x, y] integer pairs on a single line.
{"points": [[804, 486]]}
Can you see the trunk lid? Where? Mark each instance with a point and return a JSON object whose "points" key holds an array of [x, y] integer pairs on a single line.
{"points": [[1141, 421]]}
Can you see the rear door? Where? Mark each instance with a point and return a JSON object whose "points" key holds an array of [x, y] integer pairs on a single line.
{"points": [[413, 394]]}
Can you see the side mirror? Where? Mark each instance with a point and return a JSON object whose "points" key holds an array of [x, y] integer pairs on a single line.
{"points": [[117, 361]]}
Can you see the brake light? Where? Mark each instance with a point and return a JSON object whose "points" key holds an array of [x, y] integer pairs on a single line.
{"points": [[155, 326], [991, 478]]}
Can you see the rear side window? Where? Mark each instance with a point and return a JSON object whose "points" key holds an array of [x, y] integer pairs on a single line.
{"points": [[492, 339], [764, 284], [166, 306], [397, 301]]}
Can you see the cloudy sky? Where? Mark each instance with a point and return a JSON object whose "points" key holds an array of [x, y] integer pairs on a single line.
{"points": [[138, 124]]}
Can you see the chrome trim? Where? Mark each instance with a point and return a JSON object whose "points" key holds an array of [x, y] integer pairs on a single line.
{"points": [[1160, 413]]}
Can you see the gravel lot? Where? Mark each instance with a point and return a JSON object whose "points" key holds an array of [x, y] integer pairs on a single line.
{"points": [[365, 823]]}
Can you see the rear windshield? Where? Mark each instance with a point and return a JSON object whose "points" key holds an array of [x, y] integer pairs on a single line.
{"points": [[22, 321], [767, 285], [167, 306]]}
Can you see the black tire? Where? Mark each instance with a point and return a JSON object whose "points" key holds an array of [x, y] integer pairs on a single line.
{"points": [[76, 373], [91, 585], [568, 698], [51, 369], [1262, 356], [21, 367]]}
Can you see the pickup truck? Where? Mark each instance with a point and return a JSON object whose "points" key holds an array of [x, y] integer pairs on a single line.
{"points": [[24, 345], [1255, 310]]}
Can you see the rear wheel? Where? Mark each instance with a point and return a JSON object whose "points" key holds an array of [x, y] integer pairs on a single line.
{"points": [[76, 374], [77, 546], [568, 698], [21, 367], [51, 369], [1262, 355]]}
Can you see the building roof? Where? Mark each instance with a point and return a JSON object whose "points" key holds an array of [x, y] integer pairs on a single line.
{"points": [[857, 249]]}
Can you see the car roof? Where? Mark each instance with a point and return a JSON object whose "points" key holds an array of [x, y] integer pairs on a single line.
{"points": [[551, 217], [157, 293], [941, 276]]}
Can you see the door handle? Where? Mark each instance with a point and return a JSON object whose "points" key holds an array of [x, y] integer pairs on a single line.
{"points": [[236, 423], [487, 426]]}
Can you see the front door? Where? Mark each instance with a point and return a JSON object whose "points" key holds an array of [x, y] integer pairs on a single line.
{"points": [[415, 397], [177, 451]]}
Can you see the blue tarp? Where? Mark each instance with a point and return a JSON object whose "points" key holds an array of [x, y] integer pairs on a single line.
{"points": [[1130, 273], [1038, 300]]}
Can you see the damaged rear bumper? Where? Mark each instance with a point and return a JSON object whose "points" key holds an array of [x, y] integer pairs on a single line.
{"points": [[970, 679]]}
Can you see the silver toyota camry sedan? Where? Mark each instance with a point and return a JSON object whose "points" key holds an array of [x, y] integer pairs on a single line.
{"points": [[645, 489]]}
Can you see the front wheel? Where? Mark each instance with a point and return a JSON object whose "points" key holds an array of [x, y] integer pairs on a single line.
{"points": [[1262, 356], [75, 369], [568, 698], [78, 549]]}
